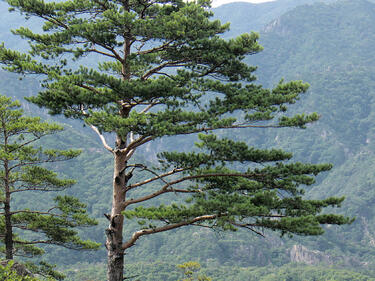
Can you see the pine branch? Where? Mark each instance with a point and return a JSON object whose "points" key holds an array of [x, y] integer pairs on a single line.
{"points": [[156, 194], [207, 176], [102, 53], [102, 138], [161, 66], [136, 143], [45, 189], [35, 212], [249, 227], [138, 234], [174, 171], [156, 49], [166, 188], [95, 129], [149, 107]]}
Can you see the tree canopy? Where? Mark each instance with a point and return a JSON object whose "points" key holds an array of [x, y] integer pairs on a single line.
{"points": [[22, 171], [163, 70]]}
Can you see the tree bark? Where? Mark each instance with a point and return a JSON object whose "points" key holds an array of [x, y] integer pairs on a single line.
{"points": [[8, 240], [115, 253]]}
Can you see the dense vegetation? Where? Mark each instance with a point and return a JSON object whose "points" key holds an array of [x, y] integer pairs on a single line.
{"points": [[329, 46], [159, 270]]}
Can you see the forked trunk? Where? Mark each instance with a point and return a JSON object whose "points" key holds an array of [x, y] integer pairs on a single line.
{"points": [[115, 253]]}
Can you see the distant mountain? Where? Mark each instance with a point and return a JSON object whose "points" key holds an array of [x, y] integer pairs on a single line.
{"points": [[331, 47], [246, 17]]}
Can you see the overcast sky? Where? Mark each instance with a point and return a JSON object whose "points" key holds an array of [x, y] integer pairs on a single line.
{"points": [[216, 3]]}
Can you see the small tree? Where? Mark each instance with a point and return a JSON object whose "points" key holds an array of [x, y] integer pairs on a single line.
{"points": [[190, 270], [164, 71], [22, 171], [8, 273]]}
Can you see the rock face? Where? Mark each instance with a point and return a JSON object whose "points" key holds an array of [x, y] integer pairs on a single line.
{"points": [[301, 254], [19, 268]]}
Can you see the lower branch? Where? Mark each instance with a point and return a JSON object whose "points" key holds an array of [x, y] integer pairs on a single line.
{"points": [[138, 234], [155, 194], [249, 227]]}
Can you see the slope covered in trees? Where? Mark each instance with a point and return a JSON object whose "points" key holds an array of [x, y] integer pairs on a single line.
{"points": [[329, 46]]}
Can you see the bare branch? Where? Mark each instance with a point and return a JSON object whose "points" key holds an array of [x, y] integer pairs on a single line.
{"points": [[46, 189], [156, 49], [138, 234], [248, 226], [54, 21], [138, 142], [48, 160], [112, 50], [34, 242], [149, 107], [102, 138], [102, 53], [161, 66], [155, 194], [27, 143], [35, 212], [174, 171], [165, 188]]}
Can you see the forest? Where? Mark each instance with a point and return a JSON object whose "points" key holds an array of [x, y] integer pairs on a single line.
{"points": [[153, 141]]}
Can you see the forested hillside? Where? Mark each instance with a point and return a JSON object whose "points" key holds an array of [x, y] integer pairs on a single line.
{"points": [[330, 45]]}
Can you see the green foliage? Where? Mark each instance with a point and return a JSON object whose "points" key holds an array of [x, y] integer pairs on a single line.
{"points": [[155, 81], [8, 274], [23, 171], [190, 270], [158, 270]]}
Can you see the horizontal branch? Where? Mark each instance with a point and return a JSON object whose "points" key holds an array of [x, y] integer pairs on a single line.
{"points": [[46, 189], [174, 171], [156, 49], [136, 235], [49, 160], [161, 66], [102, 53], [208, 176], [239, 126], [165, 188], [248, 226], [34, 212], [156, 194], [34, 242]]}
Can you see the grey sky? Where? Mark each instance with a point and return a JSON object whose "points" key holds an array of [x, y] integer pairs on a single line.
{"points": [[216, 3]]}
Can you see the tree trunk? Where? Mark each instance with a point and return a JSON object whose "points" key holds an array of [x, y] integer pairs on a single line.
{"points": [[8, 241], [115, 253]]}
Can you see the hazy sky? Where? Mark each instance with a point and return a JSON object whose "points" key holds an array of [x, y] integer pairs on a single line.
{"points": [[216, 3]]}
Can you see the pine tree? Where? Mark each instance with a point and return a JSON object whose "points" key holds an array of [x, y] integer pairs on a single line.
{"points": [[163, 70], [23, 171]]}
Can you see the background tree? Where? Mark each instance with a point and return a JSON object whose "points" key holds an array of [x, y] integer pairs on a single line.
{"points": [[165, 71], [190, 270], [9, 273], [23, 170]]}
